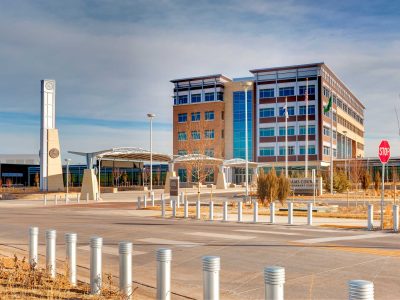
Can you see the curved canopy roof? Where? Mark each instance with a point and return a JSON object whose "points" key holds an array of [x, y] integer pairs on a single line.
{"points": [[196, 157], [239, 162]]}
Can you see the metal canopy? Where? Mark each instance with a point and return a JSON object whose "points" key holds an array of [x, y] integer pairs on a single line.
{"points": [[239, 162], [196, 157]]}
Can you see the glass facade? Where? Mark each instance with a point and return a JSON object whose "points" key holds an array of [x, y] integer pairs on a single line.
{"points": [[239, 143]]}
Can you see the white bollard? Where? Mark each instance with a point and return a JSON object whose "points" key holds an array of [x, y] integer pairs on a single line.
{"points": [[144, 201], [240, 211], [139, 200], [225, 212], [211, 268], [272, 212], [55, 199], [361, 289], [78, 198], [173, 208], [186, 209], [370, 217], [97, 197], [96, 244], [152, 199], [274, 279], [70, 241], [162, 207], [45, 199], [182, 199], [290, 213], [87, 197], [395, 218], [125, 269], [51, 252], [164, 257], [255, 211], [198, 208], [33, 246], [211, 211], [309, 213], [66, 199]]}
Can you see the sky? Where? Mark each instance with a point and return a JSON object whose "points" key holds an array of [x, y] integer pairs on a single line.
{"points": [[113, 61]]}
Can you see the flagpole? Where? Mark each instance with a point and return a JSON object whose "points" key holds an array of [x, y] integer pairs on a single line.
{"points": [[331, 143], [306, 157], [286, 142]]}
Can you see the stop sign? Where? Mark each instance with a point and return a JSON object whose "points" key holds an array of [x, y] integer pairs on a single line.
{"points": [[384, 151]]}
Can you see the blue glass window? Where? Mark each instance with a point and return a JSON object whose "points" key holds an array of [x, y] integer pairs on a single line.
{"points": [[311, 150], [182, 173], [209, 134], [290, 130], [183, 99], [311, 90], [267, 93], [209, 97], [220, 96], [182, 118], [195, 116], [239, 142], [282, 150], [182, 136], [267, 112], [209, 152], [290, 110], [302, 110], [195, 135], [286, 91], [196, 98], [270, 131], [209, 115], [267, 151], [311, 109], [182, 152]]}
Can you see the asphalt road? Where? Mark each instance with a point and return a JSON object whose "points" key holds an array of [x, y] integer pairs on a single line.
{"points": [[318, 261]]}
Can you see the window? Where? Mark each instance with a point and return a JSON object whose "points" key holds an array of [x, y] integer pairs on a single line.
{"points": [[220, 96], [302, 129], [290, 150], [222, 115], [267, 151], [182, 152], [290, 111], [183, 99], [270, 131], [209, 174], [311, 150], [209, 96], [267, 112], [182, 173], [182, 136], [286, 91], [209, 152], [209, 115], [209, 134], [311, 129], [267, 93], [302, 110], [196, 98], [327, 131], [222, 133], [182, 118], [195, 116], [195, 135], [290, 130], [311, 90], [311, 109], [326, 150]]}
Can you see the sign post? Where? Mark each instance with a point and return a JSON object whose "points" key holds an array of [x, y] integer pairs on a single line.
{"points": [[174, 189], [313, 182], [384, 155]]}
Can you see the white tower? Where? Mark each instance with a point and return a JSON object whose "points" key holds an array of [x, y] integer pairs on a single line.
{"points": [[50, 162]]}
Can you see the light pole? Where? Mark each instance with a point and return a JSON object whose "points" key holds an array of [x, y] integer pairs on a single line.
{"points": [[345, 151], [151, 116], [246, 85], [67, 160]]}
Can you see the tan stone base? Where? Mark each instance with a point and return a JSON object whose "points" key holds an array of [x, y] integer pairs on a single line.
{"points": [[89, 185], [169, 175], [221, 181]]}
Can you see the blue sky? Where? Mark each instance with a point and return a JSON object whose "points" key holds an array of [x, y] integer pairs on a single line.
{"points": [[113, 61]]}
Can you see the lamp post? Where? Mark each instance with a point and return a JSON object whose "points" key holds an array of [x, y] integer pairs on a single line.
{"points": [[151, 116], [67, 160], [246, 85]]}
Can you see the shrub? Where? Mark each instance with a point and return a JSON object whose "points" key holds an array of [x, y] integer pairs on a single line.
{"points": [[283, 188], [261, 186], [365, 180], [377, 180], [271, 185], [340, 182]]}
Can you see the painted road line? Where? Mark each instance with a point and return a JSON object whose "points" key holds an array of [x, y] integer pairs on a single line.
{"points": [[170, 242], [222, 236], [111, 250], [317, 230], [341, 238], [267, 232]]}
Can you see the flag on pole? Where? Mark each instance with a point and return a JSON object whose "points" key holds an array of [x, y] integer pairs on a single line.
{"points": [[328, 106], [285, 111]]}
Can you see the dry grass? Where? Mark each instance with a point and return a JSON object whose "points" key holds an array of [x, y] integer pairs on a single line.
{"points": [[18, 280]]}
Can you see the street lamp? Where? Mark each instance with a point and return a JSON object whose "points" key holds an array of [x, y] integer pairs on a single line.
{"points": [[67, 160], [246, 85], [151, 117]]}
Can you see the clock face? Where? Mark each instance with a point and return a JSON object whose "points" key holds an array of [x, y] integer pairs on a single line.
{"points": [[54, 153], [49, 85]]}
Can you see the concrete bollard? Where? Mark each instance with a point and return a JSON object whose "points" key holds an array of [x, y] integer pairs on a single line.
{"points": [[97, 197], [96, 244], [290, 213], [181, 199], [33, 246], [66, 198], [255, 211], [198, 208], [361, 289], [164, 257], [55, 199], [51, 252], [125, 269], [162, 207], [225, 211], [78, 198], [211, 211], [240, 211], [139, 200], [272, 212], [211, 268], [45, 199], [152, 199], [395, 218], [70, 241], [174, 208], [144, 201], [274, 279], [309, 213], [370, 217], [186, 209], [87, 197]]}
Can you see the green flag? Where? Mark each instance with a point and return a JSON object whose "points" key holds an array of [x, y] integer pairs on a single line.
{"points": [[328, 106]]}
